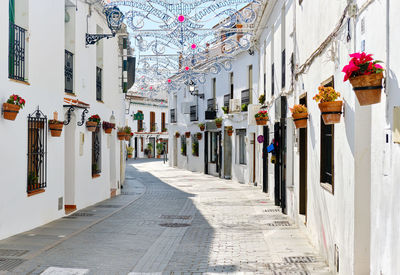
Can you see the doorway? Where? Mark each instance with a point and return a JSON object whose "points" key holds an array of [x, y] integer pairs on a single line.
{"points": [[206, 153], [227, 156], [265, 158], [219, 153], [175, 152], [136, 147], [152, 141], [303, 166], [70, 156]]}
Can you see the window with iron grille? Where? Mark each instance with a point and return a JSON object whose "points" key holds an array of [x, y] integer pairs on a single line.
{"points": [[241, 145], [141, 144], [140, 122], [265, 84], [283, 68], [272, 79], [37, 151], [173, 115], [96, 151], [163, 121], [193, 113], [99, 94], [245, 98], [211, 104], [153, 126], [69, 72], [183, 145], [16, 52], [213, 147], [226, 100], [232, 86], [195, 146]]}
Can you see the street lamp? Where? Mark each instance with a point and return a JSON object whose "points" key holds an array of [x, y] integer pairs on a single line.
{"points": [[114, 21], [193, 91]]}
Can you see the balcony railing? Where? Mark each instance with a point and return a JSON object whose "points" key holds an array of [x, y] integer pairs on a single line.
{"points": [[69, 72], [173, 115], [99, 95], [16, 53], [193, 113]]}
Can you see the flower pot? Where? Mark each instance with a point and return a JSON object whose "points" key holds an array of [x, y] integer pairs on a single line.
{"points": [[127, 137], [199, 136], [230, 132], [91, 126], [202, 128], [187, 134], [368, 88], [10, 111], [177, 135], [331, 111], [300, 120], [56, 129], [218, 124], [158, 156], [261, 121], [121, 135], [129, 156], [108, 130]]}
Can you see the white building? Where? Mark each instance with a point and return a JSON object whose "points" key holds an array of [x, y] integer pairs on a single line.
{"points": [[47, 62]]}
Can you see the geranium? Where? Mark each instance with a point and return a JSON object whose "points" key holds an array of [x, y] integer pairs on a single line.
{"points": [[108, 125], [262, 113], [326, 94], [298, 109], [16, 100], [95, 118], [361, 64]]}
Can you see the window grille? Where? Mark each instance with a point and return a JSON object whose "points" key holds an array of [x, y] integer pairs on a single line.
{"points": [[99, 95], [96, 151], [16, 52], [245, 97], [69, 72], [193, 113]]}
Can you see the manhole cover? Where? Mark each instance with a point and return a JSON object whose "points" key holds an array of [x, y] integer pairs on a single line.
{"points": [[12, 252], [9, 264], [82, 214], [173, 217], [108, 206], [299, 259], [174, 224]]}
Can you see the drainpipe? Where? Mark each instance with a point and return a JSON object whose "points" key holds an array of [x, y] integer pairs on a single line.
{"points": [[294, 83]]}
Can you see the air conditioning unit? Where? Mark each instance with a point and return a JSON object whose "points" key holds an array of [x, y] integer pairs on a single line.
{"points": [[234, 106], [252, 110]]}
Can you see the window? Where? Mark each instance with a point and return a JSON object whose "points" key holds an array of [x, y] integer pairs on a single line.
{"points": [[213, 147], [231, 80], [195, 146], [99, 95], [283, 69], [99, 66], [327, 148], [245, 97], [265, 84], [214, 87], [193, 113], [173, 115], [250, 84], [69, 72], [37, 152], [241, 146], [96, 152], [227, 97], [140, 123], [272, 79], [163, 122], [141, 144], [153, 127], [183, 145]]}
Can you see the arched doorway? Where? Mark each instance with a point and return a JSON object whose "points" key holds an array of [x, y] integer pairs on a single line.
{"points": [[70, 157]]}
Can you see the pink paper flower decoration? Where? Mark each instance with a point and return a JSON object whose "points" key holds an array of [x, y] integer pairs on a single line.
{"points": [[181, 18]]}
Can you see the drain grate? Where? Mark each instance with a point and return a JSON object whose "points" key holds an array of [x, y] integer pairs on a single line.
{"points": [[9, 264], [12, 252], [69, 217], [299, 259], [271, 210], [108, 206], [174, 225], [175, 217], [82, 214], [279, 223], [130, 193]]}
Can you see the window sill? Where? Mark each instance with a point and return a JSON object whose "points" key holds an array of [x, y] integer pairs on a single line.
{"points": [[328, 187], [20, 81], [100, 101], [70, 94], [95, 176], [36, 192]]}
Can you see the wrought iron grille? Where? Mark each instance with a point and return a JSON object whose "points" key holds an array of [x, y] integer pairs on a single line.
{"points": [[283, 68], [193, 113], [37, 151], [99, 72], [245, 97], [173, 115], [226, 100], [96, 151], [16, 52], [211, 106], [69, 72]]}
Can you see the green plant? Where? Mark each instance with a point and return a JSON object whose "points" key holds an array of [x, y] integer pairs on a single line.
{"points": [[298, 109], [225, 109], [127, 130], [95, 118], [229, 128], [201, 125], [326, 94], [149, 146], [262, 113], [129, 150], [218, 120], [159, 148], [121, 129], [261, 99], [195, 149], [16, 100], [32, 178], [94, 168], [361, 64], [165, 130], [244, 107]]}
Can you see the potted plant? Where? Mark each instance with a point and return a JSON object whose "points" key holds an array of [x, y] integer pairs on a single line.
{"points": [[199, 136], [177, 134], [225, 109], [108, 127], [55, 127], [150, 149], [130, 152], [300, 115], [128, 132], [159, 148], [261, 117], [121, 133], [93, 122], [202, 126], [165, 130], [261, 99], [330, 108], [365, 76], [244, 107], [195, 149], [12, 106], [229, 130], [187, 134], [146, 152], [218, 122], [153, 128], [140, 129], [95, 170]]}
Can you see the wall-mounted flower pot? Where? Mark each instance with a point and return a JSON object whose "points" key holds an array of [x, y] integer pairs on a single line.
{"points": [[129, 156], [127, 137], [202, 128], [10, 111], [218, 124], [331, 111], [108, 130], [56, 128], [187, 134], [121, 135], [368, 88], [230, 132], [177, 135], [300, 120], [261, 121], [91, 126], [199, 136]]}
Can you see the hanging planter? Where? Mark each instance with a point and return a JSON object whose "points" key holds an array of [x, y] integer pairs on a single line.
{"points": [[92, 123], [12, 106], [187, 134], [199, 136], [121, 133], [218, 122], [202, 127], [229, 130], [299, 115], [365, 75], [130, 152], [177, 134], [55, 127], [331, 110], [128, 132], [261, 117], [108, 127]]}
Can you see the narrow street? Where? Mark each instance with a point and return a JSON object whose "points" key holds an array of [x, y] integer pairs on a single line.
{"points": [[167, 221]]}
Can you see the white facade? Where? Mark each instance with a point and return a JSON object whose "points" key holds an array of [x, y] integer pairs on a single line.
{"points": [[51, 28]]}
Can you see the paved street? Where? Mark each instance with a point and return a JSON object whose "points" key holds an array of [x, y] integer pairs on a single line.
{"points": [[167, 221]]}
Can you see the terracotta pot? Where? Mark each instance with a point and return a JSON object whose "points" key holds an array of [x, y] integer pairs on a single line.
{"points": [[199, 136], [108, 130], [202, 128], [10, 111], [56, 129], [129, 156], [368, 88], [127, 137], [332, 110], [218, 124], [177, 135], [187, 134], [300, 120], [230, 132], [261, 121], [91, 126], [158, 156], [121, 135]]}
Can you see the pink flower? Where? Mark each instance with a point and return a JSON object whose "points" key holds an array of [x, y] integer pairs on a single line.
{"points": [[377, 66]]}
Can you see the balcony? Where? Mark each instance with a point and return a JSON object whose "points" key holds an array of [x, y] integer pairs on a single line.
{"points": [[173, 115], [16, 53], [193, 113], [69, 72]]}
